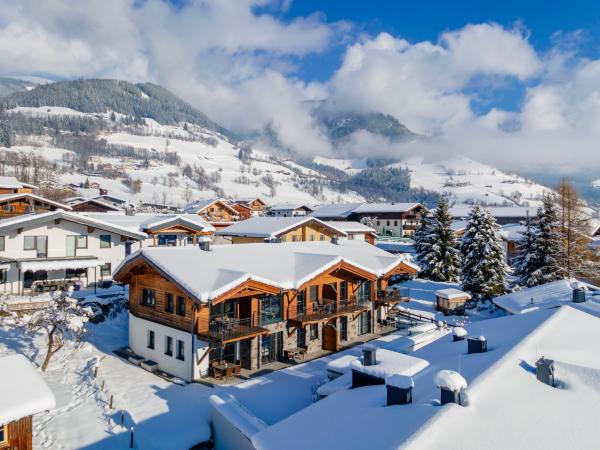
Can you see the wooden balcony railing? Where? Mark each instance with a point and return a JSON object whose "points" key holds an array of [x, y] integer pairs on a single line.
{"points": [[223, 329], [327, 309], [394, 295]]}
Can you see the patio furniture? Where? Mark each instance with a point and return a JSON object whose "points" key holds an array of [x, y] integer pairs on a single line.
{"points": [[237, 370]]}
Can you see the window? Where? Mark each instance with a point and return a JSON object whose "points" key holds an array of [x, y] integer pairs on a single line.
{"points": [[322, 237], [388, 223], [2, 243], [3, 434], [105, 240], [312, 237], [3, 278], [301, 302], [169, 305], [344, 290], [148, 297], [81, 241], [364, 290], [395, 223], [181, 306], [364, 323], [28, 209], [294, 238], [8, 208], [75, 273], [151, 339], [105, 270], [270, 307], [167, 240], [180, 350], [38, 243], [313, 292], [168, 346], [314, 331], [378, 223], [350, 237]]}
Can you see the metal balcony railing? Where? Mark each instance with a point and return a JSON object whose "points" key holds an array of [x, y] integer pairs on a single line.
{"points": [[228, 329], [401, 294], [324, 309]]}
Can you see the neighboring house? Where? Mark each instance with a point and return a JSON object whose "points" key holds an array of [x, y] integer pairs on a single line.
{"points": [[282, 229], [216, 211], [23, 393], [115, 201], [168, 230], [503, 214], [391, 219], [335, 211], [92, 205], [257, 205], [12, 205], [459, 227], [354, 230], [249, 305], [289, 210], [511, 235], [244, 211], [10, 185], [44, 251]]}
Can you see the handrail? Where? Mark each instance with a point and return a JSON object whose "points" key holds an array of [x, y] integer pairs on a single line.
{"points": [[223, 328], [325, 308]]}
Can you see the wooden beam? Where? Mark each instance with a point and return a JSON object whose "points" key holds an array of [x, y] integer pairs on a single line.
{"points": [[91, 229]]}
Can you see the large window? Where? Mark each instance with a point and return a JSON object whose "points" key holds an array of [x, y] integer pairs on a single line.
{"points": [[75, 273], [105, 270], [2, 243], [151, 339], [301, 302], [314, 331], [169, 240], [148, 297], [168, 346], [344, 290], [180, 350], [364, 291], [37, 243], [82, 241], [169, 305], [105, 240], [364, 323], [270, 307], [181, 306]]}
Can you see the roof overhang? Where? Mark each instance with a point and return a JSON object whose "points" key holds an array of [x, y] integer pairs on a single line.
{"points": [[83, 262], [37, 198]]}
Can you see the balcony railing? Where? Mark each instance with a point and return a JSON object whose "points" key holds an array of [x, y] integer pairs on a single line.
{"points": [[394, 295], [224, 329], [326, 309]]}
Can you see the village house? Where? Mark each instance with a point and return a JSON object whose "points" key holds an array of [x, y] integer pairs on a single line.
{"points": [[281, 229], [10, 185], [195, 312], [255, 203], [289, 210], [91, 205], [47, 251], [354, 230], [216, 211], [23, 393], [12, 205], [244, 211]]}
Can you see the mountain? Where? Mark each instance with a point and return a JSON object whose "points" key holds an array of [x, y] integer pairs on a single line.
{"points": [[100, 95], [341, 125], [11, 85]]}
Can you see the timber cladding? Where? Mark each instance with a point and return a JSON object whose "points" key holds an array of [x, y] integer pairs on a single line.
{"points": [[158, 313], [18, 434]]}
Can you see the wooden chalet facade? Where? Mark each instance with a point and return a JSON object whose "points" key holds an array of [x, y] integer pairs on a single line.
{"points": [[256, 204], [254, 321], [93, 205], [18, 204], [217, 211], [244, 211]]}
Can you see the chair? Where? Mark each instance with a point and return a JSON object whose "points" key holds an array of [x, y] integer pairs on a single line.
{"points": [[216, 373], [229, 373], [238, 370]]}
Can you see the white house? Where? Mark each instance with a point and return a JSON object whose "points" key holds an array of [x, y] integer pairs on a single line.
{"points": [[38, 249], [289, 210], [354, 230]]}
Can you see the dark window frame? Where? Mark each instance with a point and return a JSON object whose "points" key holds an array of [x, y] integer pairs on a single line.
{"points": [[169, 303], [2, 243], [169, 345], [314, 331], [180, 305], [148, 297], [150, 340], [105, 270], [103, 242], [271, 309], [180, 350]]}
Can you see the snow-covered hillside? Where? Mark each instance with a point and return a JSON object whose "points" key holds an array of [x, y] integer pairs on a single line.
{"points": [[463, 180]]}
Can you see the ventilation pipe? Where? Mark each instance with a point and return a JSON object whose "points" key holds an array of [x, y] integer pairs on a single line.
{"points": [[399, 389], [477, 344]]}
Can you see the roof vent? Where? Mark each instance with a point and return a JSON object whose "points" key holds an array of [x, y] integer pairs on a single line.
{"points": [[544, 371], [369, 356], [399, 389], [334, 240], [459, 334], [477, 344], [451, 384], [579, 295], [204, 245]]}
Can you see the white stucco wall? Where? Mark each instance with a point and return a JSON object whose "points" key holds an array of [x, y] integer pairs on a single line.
{"points": [[138, 342]]}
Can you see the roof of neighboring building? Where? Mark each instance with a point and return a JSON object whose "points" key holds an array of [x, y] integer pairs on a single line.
{"points": [[271, 227], [350, 226], [36, 219], [544, 296], [341, 210], [512, 232], [13, 183], [284, 266], [374, 208], [111, 197], [200, 205], [520, 212], [458, 225], [10, 197], [503, 395], [142, 222], [451, 293], [23, 391], [249, 200], [289, 206], [103, 204]]}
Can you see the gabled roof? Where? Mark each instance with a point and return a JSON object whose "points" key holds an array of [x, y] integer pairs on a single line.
{"points": [[374, 208], [341, 210], [111, 197], [200, 205], [285, 266], [13, 183], [142, 222], [272, 227], [23, 391], [75, 203], [290, 206], [350, 226], [11, 197], [31, 220], [250, 200]]}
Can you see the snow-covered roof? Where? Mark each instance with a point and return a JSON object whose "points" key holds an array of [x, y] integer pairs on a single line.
{"points": [[13, 183], [74, 203], [23, 391], [451, 293], [266, 227], [519, 212], [504, 395], [458, 225], [544, 296], [143, 222], [201, 205], [10, 197], [390, 363], [289, 207], [36, 219], [512, 232], [284, 266], [350, 226], [375, 208], [111, 197], [341, 210]]}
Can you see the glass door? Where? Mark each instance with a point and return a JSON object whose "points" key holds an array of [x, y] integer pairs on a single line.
{"points": [[71, 245], [272, 347], [343, 328]]}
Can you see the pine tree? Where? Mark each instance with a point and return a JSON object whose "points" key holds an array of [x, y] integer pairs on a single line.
{"points": [[547, 251], [483, 270], [524, 263], [436, 247]]}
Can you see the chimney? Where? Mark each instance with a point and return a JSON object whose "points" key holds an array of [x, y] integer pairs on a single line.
{"points": [[459, 334], [579, 295], [204, 243], [451, 386], [369, 356], [477, 344], [544, 371], [399, 389], [334, 240]]}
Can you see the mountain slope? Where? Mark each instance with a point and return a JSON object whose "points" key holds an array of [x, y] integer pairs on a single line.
{"points": [[145, 100], [11, 85], [340, 126]]}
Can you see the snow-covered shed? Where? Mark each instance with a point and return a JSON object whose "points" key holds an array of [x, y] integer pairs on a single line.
{"points": [[451, 301]]}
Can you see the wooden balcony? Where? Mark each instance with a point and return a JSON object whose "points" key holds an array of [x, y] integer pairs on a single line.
{"points": [[393, 296], [224, 330], [327, 309]]}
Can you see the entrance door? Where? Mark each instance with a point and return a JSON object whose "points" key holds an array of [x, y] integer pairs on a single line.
{"points": [[343, 328], [301, 337], [71, 245], [330, 338]]}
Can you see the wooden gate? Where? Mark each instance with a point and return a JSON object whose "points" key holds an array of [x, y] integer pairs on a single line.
{"points": [[331, 340]]}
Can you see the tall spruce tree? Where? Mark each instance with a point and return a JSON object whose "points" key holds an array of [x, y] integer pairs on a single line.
{"points": [[436, 247], [483, 270], [524, 263], [547, 250]]}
